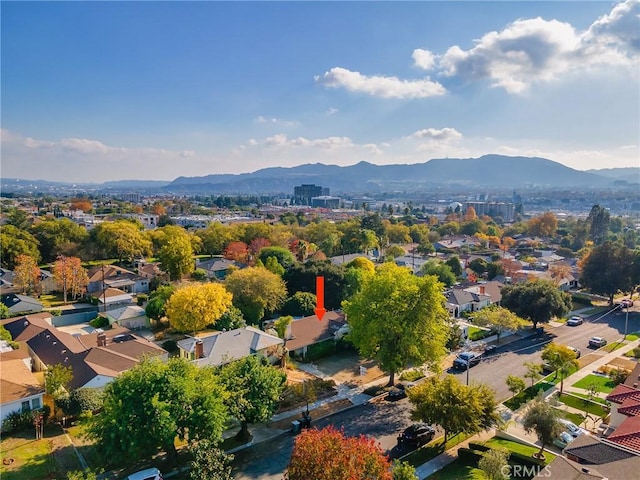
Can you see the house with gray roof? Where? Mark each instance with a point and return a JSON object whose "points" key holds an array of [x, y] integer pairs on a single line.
{"points": [[225, 347], [17, 303]]}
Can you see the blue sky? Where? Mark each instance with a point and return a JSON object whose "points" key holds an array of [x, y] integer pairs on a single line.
{"points": [[96, 91]]}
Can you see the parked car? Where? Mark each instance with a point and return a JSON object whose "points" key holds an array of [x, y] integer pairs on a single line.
{"points": [[571, 427], [547, 368], [466, 360], [148, 474], [626, 303], [399, 390], [563, 440], [597, 342], [576, 351], [490, 350], [417, 435], [575, 321]]}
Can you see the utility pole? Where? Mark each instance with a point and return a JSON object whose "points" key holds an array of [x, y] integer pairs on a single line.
{"points": [[468, 365], [104, 291], [626, 322]]}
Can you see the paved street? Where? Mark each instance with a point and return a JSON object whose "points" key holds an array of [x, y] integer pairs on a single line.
{"points": [[383, 420]]}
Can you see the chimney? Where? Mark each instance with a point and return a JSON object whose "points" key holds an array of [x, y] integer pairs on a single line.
{"points": [[102, 340], [481, 289], [199, 348]]}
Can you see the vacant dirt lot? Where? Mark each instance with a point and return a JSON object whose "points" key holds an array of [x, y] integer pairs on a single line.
{"points": [[344, 368]]}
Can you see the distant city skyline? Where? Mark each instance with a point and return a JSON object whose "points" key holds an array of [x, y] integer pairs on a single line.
{"points": [[100, 91]]}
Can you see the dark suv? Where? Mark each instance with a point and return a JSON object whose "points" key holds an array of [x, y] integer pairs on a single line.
{"points": [[466, 358], [416, 435]]}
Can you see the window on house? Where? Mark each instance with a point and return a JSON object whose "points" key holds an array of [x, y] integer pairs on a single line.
{"points": [[35, 404], [25, 406]]}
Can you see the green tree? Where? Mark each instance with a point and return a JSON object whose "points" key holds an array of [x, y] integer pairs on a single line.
{"points": [[562, 359], [537, 301], [454, 264], [441, 270], [608, 269], [515, 384], [209, 462], [15, 242], [215, 238], [598, 221], [282, 255], [122, 239], [455, 407], [398, 319], [273, 266], [194, 307], [403, 471], [147, 407], [533, 372], [495, 465], [498, 319], [281, 326], [230, 320], [542, 419], [56, 379], [300, 304], [155, 308], [254, 388], [176, 253], [256, 291], [4, 312], [61, 236]]}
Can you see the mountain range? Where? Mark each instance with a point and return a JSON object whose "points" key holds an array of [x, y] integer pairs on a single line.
{"points": [[442, 173], [488, 171]]}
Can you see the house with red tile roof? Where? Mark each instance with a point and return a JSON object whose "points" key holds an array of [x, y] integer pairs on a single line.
{"points": [[625, 416]]}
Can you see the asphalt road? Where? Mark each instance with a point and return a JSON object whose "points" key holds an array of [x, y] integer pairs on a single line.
{"points": [[510, 359], [384, 420]]}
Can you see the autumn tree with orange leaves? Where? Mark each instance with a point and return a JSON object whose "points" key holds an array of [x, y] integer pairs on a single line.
{"points": [[70, 276], [328, 454], [27, 274], [237, 251]]}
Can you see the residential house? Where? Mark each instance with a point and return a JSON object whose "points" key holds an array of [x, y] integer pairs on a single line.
{"points": [[95, 359], [112, 298], [307, 331], [132, 317], [217, 268], [456, 243], [225, 347], [412, 261], [21, 303], [151, 271], [592, 458], [472, 298], [625, 417], [112, 276], [6, 281], [19, 389]]}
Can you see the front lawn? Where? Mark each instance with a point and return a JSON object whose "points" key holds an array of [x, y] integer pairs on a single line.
{"points": [[575, 418], [433, 449], [593, 408], [603, 384], [614, 346], [586, 397], [457, 470], [526, 450], [529, 393]]}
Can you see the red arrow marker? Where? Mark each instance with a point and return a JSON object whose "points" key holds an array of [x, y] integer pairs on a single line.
{"points": [[320, 310]]}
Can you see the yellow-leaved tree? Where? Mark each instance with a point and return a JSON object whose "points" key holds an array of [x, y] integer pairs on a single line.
{"points": [[194, 307]]}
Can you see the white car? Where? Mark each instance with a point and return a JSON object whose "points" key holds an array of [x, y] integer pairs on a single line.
{"points": [[571, 428], [148, 474], [575, 321]]}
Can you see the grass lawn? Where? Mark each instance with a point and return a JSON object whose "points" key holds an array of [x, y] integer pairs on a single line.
{"points": [[603, 384], [576, 418], [528, 394], [496, 442], [457, 470], [52, 300], [433, 449], [586, 397], [593, 408], [633, 336], [613, 346]]}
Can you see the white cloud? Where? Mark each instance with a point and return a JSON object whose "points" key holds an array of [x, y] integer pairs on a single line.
{"points": [[328, 143], [442, 135], [332, 111], [533, 50], [423, 59], [275, 121], [379, 86]]}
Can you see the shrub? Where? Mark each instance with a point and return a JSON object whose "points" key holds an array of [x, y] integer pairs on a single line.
{"points": [[619, 376], [141, 298], [199, 274], [99, 322], [412, 375], [320, 350], [481, 447], [521, 459], [636, 352], [17, 421], [469, 456]]}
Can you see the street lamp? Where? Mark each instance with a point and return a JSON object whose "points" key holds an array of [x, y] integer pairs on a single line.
{"points": [[626, 321]]}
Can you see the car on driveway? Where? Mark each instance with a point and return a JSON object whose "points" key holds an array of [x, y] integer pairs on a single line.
{"points": [[563, 440], [399, 390], [626, 303], [597, 342], [576, 351], [575, 321], [466, 360], [416, 435], [571, 428]]}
